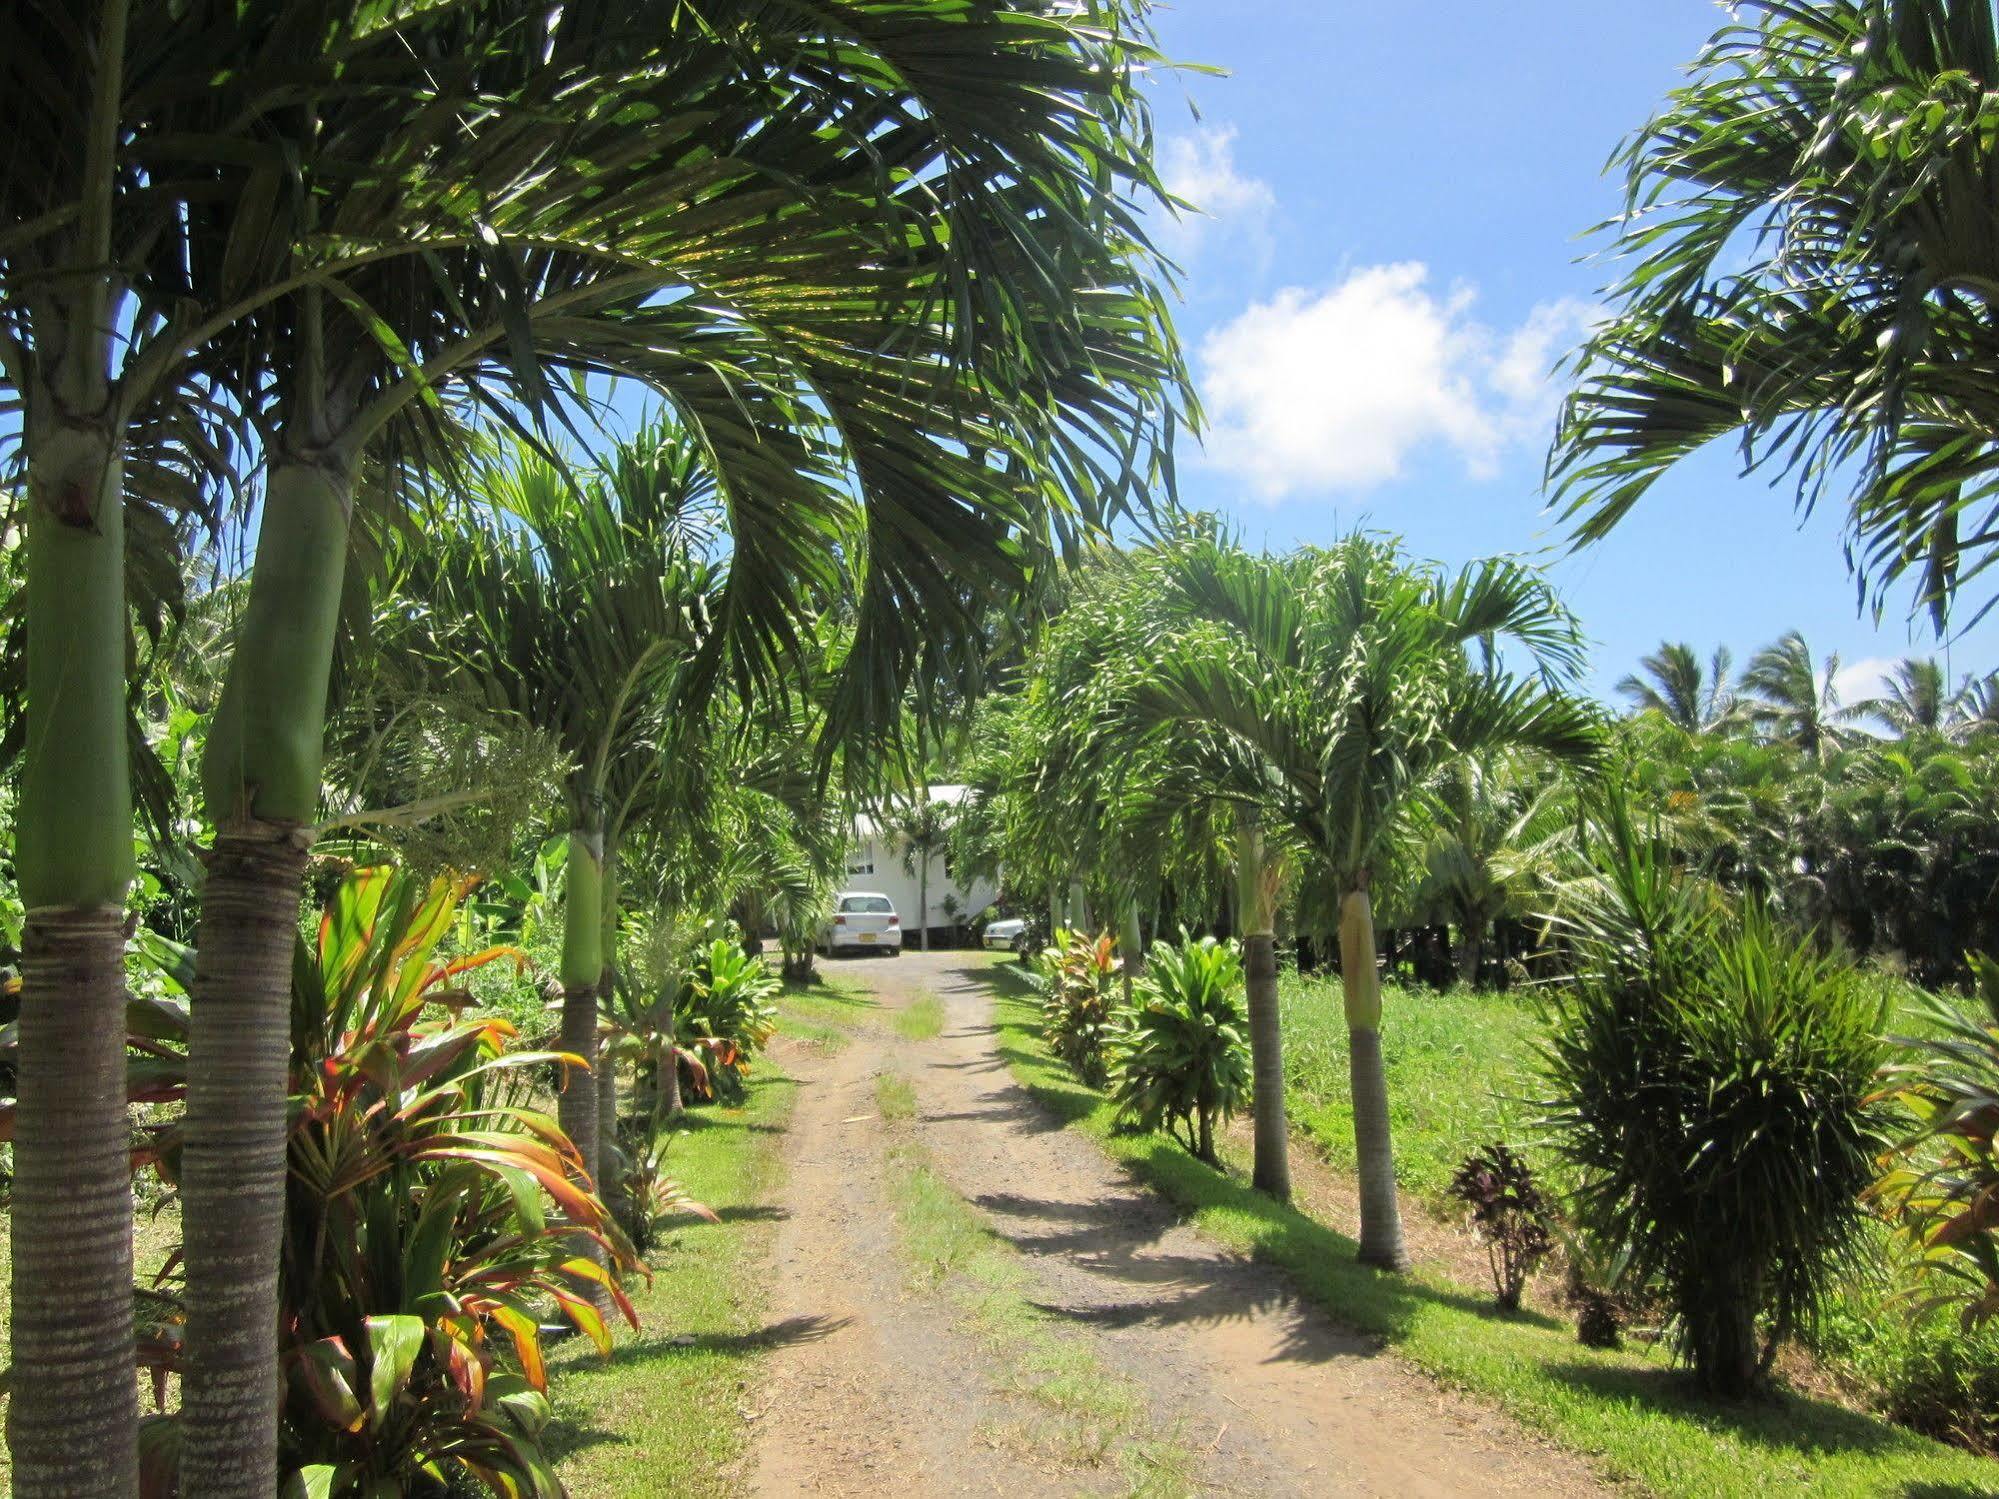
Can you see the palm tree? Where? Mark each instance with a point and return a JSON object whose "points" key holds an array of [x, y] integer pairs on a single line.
{"points": [[1494, 837], [924, 826], [117, 438], [573, 609], [1807, 263], [1978, 709], [1325, 692], [1917, 700], [1701, 700], [1797, 702], [965, 353]]}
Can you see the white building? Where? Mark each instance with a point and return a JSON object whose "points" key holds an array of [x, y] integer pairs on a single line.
{"points": [[875, 862]]}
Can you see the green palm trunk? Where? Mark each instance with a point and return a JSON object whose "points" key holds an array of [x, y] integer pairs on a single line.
{"points": [[1257, 911], [1374, 1151], [73, 1423], [261, 778], [582, 972]]}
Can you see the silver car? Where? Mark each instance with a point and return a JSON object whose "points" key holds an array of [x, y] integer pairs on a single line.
{"points": [[1006, 935], [863, 921]]}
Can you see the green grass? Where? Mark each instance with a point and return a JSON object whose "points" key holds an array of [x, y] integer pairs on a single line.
{"points": [[1080, 1411], [663, 1416], [895, 1098], [922, 1020], [1629, 1413], [825, 1012], [1459, 1065]]}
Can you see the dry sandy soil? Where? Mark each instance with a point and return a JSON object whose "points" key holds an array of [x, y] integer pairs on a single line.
{"points": [[880, 1387]]}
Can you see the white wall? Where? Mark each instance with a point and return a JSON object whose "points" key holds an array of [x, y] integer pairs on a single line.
{"points": [[883, 856]]}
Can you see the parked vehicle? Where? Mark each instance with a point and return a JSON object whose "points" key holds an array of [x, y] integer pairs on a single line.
{"points": [[1006, 935], [863, 920]]}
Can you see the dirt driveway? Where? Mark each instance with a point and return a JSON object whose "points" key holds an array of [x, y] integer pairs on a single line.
{"points": [[882, 1385]]}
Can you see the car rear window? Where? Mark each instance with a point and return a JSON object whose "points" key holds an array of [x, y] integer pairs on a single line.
{"points": [[868, 905]]}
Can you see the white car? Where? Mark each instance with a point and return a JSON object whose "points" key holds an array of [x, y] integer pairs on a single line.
{"points": [[1005, 935], [862, 920]]}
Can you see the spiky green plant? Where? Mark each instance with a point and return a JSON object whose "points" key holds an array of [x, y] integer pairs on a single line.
{"points": [[1709, 1086], [1179, 1056]]}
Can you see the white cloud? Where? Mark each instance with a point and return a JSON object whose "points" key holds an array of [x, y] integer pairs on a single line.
{"points": [[1336, 389], [1857, 681], [1201, 168]]}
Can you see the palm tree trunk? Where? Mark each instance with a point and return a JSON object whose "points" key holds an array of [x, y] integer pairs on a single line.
{"points": [[1374, 1151], [1054, 911], [73, 1422], [75, 1415], [1134, 947], [1471, 952], [261, 779], [1272, 1170], [923, 896], [582, 967]]}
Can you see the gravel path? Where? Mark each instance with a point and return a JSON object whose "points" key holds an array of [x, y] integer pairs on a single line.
{"points": [[876, 1389]]}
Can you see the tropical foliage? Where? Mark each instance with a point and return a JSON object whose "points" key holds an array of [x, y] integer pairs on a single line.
{"points": [[1709, 1089], [1179, 1058]]}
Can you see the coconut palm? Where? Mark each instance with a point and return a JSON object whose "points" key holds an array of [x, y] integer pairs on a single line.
{"points": [[1796, 701], [1978, 709], [1917, 700], [1700, 699], [1806, 263], [1324, 692]]}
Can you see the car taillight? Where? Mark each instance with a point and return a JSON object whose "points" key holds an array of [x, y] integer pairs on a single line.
{"points": [[839, 921], [895, 921]]}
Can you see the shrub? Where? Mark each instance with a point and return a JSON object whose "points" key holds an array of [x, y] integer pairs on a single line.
{"points": [[638, 1190], [1710, 1081], [1924, 1372], [727, 1011], [1510, 1216], [416, 1245], [1076, 1003], [1180, 1058], [1944, 1194]]}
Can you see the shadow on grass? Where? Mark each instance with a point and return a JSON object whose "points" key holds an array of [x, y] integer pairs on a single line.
{"points": [[820, 992], [1320, 1262], [1781, 1422]]}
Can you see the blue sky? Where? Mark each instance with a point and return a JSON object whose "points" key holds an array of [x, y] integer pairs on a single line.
{"points": [[1397, 198]]}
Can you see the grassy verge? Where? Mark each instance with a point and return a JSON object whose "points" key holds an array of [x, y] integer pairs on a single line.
{"points": [[1459, 1067], [921, 1020], [1080, 1412], [663, 1416], [895, 1098], [825, 1012], [1629, 1413]]}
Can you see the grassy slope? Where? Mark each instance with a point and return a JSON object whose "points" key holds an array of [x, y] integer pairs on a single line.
{"points": [[1458, 1074], [1626, 1411], [662, 1417]]}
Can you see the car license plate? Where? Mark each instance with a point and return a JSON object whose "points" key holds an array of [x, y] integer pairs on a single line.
{"points": [[867, 936]]}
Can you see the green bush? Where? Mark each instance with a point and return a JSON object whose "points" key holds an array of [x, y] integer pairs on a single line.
{"points": [[1710, 1083], [1943, 1195], [1076, 1006], [1925, 1372], [729, 1010], [1180, 1057]]}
